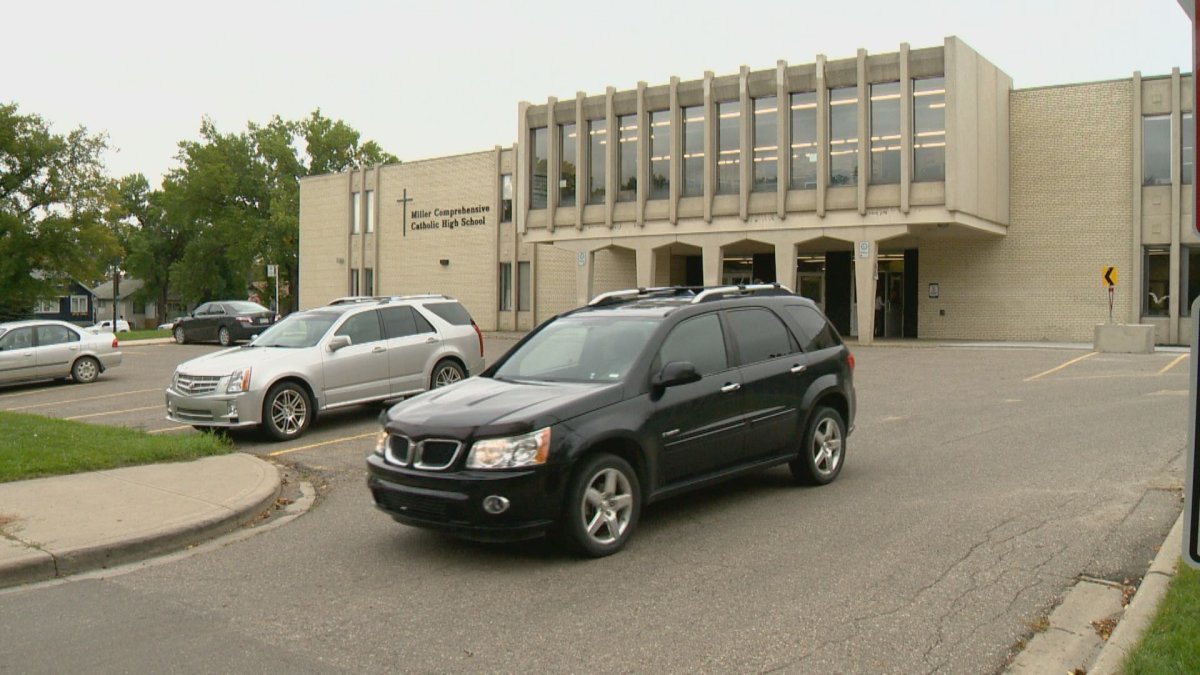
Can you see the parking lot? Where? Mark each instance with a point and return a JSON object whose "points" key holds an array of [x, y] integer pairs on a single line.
{"points": [[979, 484]]}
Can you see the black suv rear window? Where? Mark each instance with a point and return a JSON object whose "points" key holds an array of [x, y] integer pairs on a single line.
{"points": [[816, 333], [452, 312]]}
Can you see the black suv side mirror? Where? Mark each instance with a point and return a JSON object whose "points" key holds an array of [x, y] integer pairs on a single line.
{"points": [[676, 373]]}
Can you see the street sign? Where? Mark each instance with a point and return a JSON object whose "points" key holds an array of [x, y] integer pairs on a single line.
{"points": [[864, 249], [1191, 509], [272, 270], [1108, 275]]}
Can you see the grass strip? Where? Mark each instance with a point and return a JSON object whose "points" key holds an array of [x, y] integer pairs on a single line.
{"points": [[32, 446], [142, 335], [1172, 642]]}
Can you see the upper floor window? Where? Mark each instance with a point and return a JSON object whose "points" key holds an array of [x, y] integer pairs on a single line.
{"points": [[627, 158], [885, 133], [693, 151], [1156, 150], [566, 173], [929, 129], [804, 140], [79, 304], [843, 136], [539, 160], [729, 146], [660, 154], [506, 198], [1187, 150], [597, 158], [370, 210], [355, 212], [766, 144]]}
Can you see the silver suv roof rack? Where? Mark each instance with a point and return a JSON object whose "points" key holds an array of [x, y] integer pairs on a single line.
{"points": [[419, 296], [718, 292]]}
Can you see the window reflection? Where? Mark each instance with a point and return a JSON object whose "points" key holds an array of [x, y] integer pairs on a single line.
{"points": [[885, 133], [1158, 281], [627, 158], [566, 173], [929, 129], [843, 136], [660, 154], [766, 144], [729, 158], [804, 140], [597, 156], [1187, 154], [693, 151], [506, 197], [538, 168], [1156, 150]]}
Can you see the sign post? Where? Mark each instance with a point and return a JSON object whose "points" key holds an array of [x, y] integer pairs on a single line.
{"points": [[1191, 508], [273, 273], [1108, 276]]}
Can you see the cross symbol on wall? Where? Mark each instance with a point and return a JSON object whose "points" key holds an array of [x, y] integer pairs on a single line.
{"points": [[403, 201]]}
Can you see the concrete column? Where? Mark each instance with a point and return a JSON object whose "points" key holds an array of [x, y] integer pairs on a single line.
{"points": [[553, 163], [864, 133], [522, 178], [1173, 303], [710, 146], [581, 165], [646, 262], [783, 125], [906, 130], [643, 155], [711, 256], [785, 264], [864, 281], [822, 136], [676, 165], [585, 274], [745, 143], [610, 156]]}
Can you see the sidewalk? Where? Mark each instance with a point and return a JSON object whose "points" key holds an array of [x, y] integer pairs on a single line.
{"points": [[55, 527]]}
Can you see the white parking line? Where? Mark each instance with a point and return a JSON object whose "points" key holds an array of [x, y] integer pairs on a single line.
{"points": [[86, 398], [317, 445], [112, 412]]}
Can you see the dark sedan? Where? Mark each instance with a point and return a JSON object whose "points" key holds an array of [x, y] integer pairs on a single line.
{"points": [[223, 321]]}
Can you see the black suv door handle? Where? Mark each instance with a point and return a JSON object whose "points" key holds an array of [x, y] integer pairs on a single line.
{"points": [[730, 388], [796, 370]]}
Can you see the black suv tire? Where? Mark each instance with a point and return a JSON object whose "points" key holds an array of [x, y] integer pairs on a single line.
{"points": [[822, 449], [604, 501]]}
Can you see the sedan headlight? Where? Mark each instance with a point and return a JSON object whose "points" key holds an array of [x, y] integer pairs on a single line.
{"points": [[239, 381], [511, 452]]}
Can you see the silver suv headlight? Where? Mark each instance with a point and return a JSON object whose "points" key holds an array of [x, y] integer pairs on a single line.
{"points": [[239, 381], [507, 453]]}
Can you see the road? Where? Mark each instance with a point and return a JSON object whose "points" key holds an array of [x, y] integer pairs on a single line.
{"points": [[979, 484]]}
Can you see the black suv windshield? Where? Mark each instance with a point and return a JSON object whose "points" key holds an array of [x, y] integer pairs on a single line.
{"points": [[297, 330], [580, 349]]}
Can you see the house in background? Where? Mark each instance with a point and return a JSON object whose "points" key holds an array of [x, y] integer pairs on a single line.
{"points": [[131, 306], [75, 304]]}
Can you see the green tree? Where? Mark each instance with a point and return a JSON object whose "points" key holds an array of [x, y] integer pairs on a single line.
{"points": [[151, 241], [52, 198]]}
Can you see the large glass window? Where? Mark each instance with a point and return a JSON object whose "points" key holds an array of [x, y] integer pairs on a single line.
{"points": [[505, 286], [729, 146], [843, 136], [523, 285], [1190, 277], [506, 198], [698, 341], [597, 151], [1187, 151], [929, 129], [804, 140], [1156, 150], [885, 133], [1157, 266], [355, 212], [660, 154], [766, 144], [539, 165], [627, 158], [693, 151], [566, 173], [370, 211]]}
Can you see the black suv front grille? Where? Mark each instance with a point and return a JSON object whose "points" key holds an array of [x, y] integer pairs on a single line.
{"points": [[434, 454]]}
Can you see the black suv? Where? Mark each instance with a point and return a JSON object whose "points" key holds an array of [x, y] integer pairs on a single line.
{"points": [[638, 396]]}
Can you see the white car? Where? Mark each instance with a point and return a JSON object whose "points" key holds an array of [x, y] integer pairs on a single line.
{"points": [[44, 349], [106, 326]]}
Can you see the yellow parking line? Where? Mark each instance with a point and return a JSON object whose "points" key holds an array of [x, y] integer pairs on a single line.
{"points": [[317, 445], [112, 412], [1173, 363], [86, 398], [1055, 369], [163, 431]]}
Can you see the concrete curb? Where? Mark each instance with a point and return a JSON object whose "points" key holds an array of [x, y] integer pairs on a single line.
{"points": [[41, 565], [1144, 605]]}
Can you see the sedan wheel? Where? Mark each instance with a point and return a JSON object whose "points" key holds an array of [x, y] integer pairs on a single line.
{"points": [[287, 411], [822, 450], [446, 372], [85, 370], [603, 506], [180, 337], [224, 337]]}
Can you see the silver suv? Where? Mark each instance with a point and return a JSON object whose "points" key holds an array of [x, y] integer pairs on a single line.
{"points": [[327, 358]]}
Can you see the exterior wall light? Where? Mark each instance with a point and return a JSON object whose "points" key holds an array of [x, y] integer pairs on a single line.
{"points": [[444, 262]]}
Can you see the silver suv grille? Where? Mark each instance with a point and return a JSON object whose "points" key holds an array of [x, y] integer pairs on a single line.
{"points": [[434, 454], [195, 385]]}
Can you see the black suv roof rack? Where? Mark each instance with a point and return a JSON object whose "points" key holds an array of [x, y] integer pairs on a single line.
{"points": [[695, 293]]}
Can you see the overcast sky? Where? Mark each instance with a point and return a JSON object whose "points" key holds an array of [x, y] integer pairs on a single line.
{"points": [[441, 77]]}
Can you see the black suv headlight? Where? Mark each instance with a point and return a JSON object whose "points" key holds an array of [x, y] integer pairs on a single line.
{"points": [[508, 453]]}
